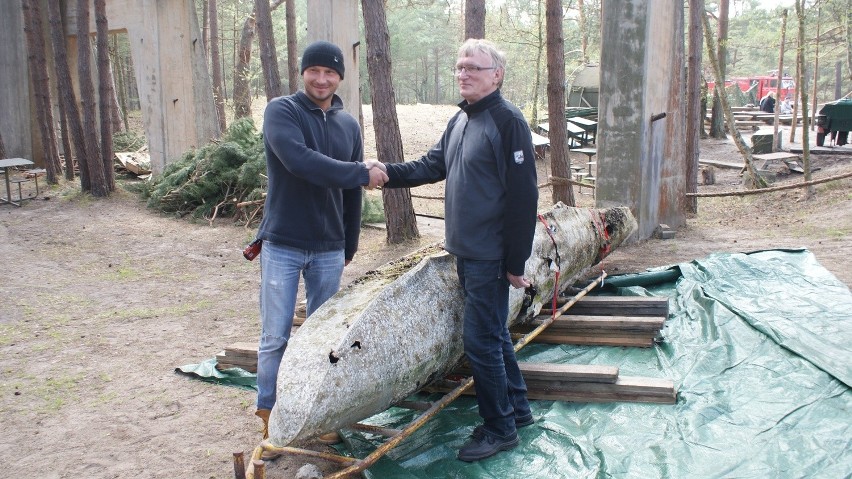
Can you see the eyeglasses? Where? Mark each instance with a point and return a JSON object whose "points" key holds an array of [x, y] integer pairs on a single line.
{"points": [[470, 69]]}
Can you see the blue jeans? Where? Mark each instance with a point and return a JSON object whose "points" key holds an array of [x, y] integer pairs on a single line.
{"points": [[500, 389], [280, 268]]}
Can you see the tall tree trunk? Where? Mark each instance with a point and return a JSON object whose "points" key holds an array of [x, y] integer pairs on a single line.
{"points": [[756, 180], [694, 118], [292, 47], [816, 65], [560, 162], [436, 77], [399, 212], [717, 120], [800, 62], [67, 98], [268, 57], [584, 31], [66, 143], [216, 63], [542, 44], [121, 89], [242, 93], [775, 124], [795, 122], [474, 19], [849, 38], [93, 161], [115, 110], [37, 60], [105, 92], [2, 147], [242, 89], [205, 34]]}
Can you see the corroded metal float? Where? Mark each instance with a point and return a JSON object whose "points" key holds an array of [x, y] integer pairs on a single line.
{"points": [[398, 328]]}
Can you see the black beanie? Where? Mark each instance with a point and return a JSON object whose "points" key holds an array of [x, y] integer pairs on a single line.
{"points": [[324, 54]]}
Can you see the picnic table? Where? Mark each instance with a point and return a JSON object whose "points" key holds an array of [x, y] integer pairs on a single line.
{"points": [[590, 152], [790, 160], [540, 144], [7, 164], [576, 133], [589, 126]]}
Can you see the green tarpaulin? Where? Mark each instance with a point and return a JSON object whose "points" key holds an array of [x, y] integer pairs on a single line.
{"points": [[758, 346]]}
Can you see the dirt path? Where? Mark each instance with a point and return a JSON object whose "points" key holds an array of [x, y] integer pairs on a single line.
{"points": [[102, 299]]}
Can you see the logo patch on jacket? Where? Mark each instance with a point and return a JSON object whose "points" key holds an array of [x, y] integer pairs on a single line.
{"points": [[519, 157]]}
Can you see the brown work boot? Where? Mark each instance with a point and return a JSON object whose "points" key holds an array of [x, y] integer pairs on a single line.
{"points": [[264, 414]]}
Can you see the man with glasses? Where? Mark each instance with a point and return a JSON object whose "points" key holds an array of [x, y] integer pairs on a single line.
{"points": [[486, 156]]}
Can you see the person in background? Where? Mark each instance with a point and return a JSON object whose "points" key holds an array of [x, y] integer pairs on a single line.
{"points": [[786, 106], [486, 156], [312, 214], [767, 103]]}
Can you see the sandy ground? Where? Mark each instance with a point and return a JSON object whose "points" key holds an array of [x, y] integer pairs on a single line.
{"points": [[102, 299]]}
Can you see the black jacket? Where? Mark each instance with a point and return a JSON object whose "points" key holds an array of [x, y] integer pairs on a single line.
{"points": [[314, 162], [491, 195]]}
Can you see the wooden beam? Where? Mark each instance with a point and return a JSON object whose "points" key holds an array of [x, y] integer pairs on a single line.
{"points": [[608, 323], [618, 305], [624, 389], [597, 339]]}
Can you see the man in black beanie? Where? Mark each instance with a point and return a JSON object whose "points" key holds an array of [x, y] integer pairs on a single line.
{"points": [[322, 53], [312, 215]]}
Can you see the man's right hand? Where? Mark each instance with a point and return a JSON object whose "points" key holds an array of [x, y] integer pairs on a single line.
{"points": [[376, 164], [378, 176]]}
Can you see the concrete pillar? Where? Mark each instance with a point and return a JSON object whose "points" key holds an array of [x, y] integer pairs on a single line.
{"points": [[14, 83], [168, 58], [641, 162], [337, 21]]}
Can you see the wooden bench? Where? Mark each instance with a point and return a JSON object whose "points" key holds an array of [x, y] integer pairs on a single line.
{"points": [[751, 125], [783, 156], [34, 174]]}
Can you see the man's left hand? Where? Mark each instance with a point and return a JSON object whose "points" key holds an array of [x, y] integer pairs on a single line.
{"points": [[517, 281]]}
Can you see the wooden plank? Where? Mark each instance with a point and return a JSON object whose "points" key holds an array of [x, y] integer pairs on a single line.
{"points": [[625, 389], [609, 323], [721, 164], [595, 339], [561, 372], [569, 372], [749, 123], [779, 155], [617, 305], [223, 362]]}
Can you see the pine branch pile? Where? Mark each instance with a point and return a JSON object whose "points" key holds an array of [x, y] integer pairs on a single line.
{"points": [[211, 181]]}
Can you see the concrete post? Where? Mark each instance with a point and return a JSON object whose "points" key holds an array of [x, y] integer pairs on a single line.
{"points": [[337, 21], [640, 138]]}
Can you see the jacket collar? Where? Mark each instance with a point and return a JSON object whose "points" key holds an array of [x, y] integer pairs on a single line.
{"points": [[304, 99], [483, 104]]}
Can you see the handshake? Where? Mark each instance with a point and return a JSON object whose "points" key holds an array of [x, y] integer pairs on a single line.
{"points": [[378, 174]]}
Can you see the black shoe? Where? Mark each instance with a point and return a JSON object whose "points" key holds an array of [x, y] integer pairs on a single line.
{"points": [[524, 421], [484, 445], [478, 431]]}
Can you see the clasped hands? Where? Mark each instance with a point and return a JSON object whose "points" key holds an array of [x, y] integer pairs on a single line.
{"points": [[378, 174]]}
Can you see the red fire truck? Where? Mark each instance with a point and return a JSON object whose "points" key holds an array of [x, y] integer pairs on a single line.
{"points": [[761, 85]]}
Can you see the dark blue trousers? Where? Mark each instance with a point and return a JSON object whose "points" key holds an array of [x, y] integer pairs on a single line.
{"points": [[500, 389]]}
